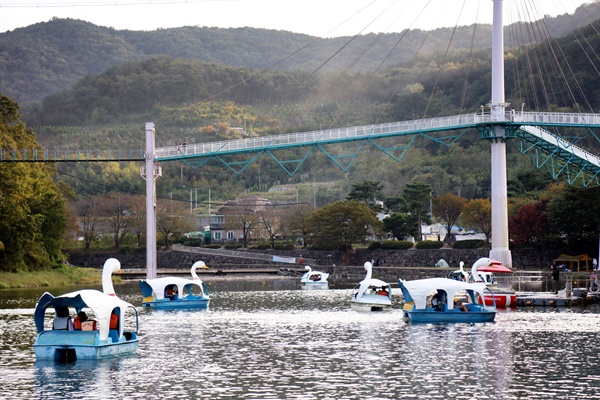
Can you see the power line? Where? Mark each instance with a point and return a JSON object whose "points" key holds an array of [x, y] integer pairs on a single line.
{"points": [[122, 189], [97, 3]]}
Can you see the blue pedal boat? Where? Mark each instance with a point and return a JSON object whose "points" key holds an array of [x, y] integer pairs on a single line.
{"points": [[106, 336], [418, 306], [172, 292]]}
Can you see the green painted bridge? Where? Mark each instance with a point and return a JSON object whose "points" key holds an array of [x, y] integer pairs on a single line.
{"points": [[530, 132]]}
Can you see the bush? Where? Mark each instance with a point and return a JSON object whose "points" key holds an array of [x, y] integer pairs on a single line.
{"points": [[233, 246], [429, 244], [324, 246], [284, 246], [391, 245], [468, 244], [192, 242], [126, 249], [261, 246], [213, 246], [375, 246]]}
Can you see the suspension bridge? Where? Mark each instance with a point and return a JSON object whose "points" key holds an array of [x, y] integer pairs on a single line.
{"points": [[528, 131]]}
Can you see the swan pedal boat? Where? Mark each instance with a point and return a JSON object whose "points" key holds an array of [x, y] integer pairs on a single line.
{"points": [[187, 293], [371, 294], [312, 280], [102, 342], [483, 271], [417, 292]]}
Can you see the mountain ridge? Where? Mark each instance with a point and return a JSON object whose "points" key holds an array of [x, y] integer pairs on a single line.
{"points": [[49, 57]]}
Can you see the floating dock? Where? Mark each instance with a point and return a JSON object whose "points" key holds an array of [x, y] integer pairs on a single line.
{"points": [[548, 299]]}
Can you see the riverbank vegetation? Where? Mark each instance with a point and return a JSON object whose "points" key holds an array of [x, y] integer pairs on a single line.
{"points": [[65, 275]]}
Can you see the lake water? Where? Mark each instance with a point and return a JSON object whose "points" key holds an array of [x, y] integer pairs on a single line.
{"points": [[269, 340]]}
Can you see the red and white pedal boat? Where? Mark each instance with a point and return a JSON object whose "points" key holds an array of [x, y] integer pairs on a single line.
{"points": [[483, 271]]}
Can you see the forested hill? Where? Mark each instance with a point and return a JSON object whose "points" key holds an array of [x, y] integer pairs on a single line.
{"points": [[49, 57]]}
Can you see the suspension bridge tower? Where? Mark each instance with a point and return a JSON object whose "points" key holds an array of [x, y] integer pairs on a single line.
{"points": [[500, 250]]}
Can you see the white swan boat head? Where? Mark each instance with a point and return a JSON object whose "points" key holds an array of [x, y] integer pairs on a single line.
{"points": [[108, 336], [175, 292], [484, 270]]}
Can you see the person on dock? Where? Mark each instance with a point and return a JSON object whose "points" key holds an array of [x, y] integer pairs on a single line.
{"points": [[556, 278]]}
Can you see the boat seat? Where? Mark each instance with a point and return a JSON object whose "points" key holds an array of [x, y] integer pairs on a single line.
{"points": [[88, 325], [114, 335], [59, 337]]}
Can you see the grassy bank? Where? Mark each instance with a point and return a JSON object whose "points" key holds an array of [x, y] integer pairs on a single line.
{"points": [[54, 277]]}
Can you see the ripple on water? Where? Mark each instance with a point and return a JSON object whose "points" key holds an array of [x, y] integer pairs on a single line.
{"points": [[310, 345]]}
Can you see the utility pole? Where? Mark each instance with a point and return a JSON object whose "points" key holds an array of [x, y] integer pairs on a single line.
{"points": [[150, 172]]}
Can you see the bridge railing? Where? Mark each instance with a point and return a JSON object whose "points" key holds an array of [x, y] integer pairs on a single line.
{"points": [[321, 136], [558, 118], [69, 155], [562, 144], [372, 131]]}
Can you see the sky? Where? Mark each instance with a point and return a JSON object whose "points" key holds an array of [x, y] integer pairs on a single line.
{"points": [[323, 18]]}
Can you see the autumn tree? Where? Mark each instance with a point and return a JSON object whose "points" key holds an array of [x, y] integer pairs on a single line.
{"points": [[448, 208], [477, 214], [137, 217], [528, 227], [172, 220], [271, 221], [340, 224], [296, 220], [242, 217], [32, 211], [115, 210], [87, 210]]}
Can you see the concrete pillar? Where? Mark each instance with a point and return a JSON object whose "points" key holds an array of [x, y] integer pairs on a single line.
{"points": [[500, 250]]}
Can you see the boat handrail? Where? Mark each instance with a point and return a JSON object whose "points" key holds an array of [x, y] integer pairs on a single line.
{"points": [[487, 289]]}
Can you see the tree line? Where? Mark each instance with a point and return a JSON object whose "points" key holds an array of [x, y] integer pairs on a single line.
{"points": [[46, 58]]}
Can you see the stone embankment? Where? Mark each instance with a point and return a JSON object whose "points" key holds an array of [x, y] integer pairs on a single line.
{"points": [[393, 264]]}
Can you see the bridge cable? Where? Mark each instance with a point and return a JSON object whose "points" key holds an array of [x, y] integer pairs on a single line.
{"points": [[514, 44], [382, 61], [245, 80], [469, 62], [555, 59], [442, 64], [340, 75]]}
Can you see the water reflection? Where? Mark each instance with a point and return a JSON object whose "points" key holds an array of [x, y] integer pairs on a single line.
{"points": [[257, 341]]}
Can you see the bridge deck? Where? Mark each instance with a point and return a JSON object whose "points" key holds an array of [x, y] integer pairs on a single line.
{"points": [[365, 132], [524, 126]]}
